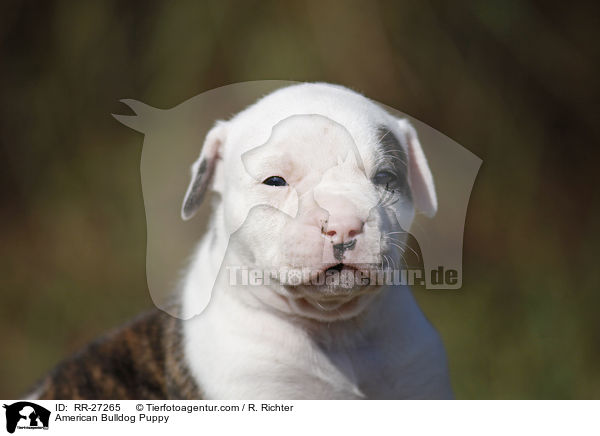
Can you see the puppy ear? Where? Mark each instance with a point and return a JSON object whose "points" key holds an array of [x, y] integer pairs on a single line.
{"points": [[419, 174], [203, 170]]}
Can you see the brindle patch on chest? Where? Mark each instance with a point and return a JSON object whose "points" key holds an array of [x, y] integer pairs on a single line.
{"points": [[141, 360]]}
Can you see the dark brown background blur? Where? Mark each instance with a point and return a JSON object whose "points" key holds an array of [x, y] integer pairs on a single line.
{"points": [[515, 82]]}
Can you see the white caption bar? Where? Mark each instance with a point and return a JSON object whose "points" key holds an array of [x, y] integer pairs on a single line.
{"points": [[302, 417]]}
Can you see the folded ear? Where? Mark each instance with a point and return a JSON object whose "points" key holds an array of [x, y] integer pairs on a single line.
{"points": [[419, 174], [203, 170]]}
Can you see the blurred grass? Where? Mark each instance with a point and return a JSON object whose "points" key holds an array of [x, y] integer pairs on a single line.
{"points": [[515, 82]]}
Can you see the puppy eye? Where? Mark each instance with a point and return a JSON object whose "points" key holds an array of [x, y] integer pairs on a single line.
{"points": [[275, 181], [384, 178]]}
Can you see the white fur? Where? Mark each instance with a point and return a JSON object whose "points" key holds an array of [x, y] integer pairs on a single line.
{"points": [[271, 342]]}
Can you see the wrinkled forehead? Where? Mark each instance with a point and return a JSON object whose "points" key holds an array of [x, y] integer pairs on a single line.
{"points": [[315, 140], [305, 143]]}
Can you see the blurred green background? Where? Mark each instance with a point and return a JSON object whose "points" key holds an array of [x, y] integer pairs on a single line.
{"points": [[515, 82]]}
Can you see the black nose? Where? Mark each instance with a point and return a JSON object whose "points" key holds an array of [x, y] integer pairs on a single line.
{"points": [[339, 249]]}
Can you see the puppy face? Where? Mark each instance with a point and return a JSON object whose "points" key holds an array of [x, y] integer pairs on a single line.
{"points": [[321, 205]]}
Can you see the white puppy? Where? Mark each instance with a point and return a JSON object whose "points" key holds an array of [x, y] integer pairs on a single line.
{"points": [[312, 179]]}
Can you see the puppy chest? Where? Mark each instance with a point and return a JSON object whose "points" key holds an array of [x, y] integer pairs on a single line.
{"points": [[264, 371]]}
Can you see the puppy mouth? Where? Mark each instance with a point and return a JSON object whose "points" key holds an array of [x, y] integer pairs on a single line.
{"points": [[332, 286], [340, 267]]}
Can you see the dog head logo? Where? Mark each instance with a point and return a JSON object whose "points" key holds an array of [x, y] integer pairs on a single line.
{"points": [[26, 415], [266, 196]]}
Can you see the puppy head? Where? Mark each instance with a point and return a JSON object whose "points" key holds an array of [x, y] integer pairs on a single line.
{"points": [[320, 185]]}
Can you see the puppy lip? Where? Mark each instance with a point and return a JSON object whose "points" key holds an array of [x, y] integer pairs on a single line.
{"points": [[339, 267], [322, 293], [313, 284]]}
